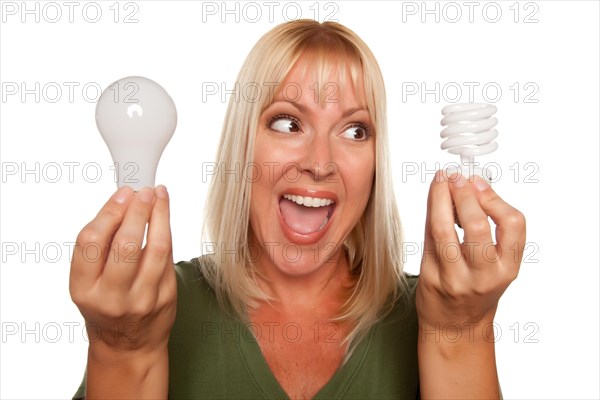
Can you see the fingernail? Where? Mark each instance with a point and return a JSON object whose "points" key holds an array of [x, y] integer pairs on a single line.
{"points": [[121, 195], [480, 184], [458, 180], [146, 194], [161, 192]]}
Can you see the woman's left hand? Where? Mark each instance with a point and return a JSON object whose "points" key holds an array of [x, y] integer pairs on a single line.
{"points": [[460, 283]]}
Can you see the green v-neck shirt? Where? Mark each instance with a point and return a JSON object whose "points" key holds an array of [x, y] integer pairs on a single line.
{"points": [[212, 356]]}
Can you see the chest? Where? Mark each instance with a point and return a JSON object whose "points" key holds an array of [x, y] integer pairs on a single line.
{"points": [[303, 354], [210, 359]]}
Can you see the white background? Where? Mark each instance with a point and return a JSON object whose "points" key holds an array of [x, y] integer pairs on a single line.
{"points": [[548, 156]]}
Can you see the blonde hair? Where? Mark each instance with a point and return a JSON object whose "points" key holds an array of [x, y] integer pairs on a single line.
{"points": [[373, 246]]}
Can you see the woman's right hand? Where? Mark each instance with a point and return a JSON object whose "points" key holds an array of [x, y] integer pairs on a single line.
{"points": [[127, 294]]}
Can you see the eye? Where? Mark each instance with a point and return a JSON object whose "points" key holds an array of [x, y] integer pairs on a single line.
{"points": [[358, 132], [284, 123]]}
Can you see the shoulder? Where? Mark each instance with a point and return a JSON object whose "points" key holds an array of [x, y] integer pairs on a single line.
{"points": [[197, 302], [408, 289], [404, 310], [399, 329], [193, 287], [391, 357], [412, 280], [191, 274]]}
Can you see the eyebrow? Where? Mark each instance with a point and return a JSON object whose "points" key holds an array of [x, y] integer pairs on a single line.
{"points": [[303, 109]]}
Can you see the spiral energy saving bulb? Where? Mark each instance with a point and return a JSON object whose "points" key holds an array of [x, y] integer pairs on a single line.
{"points": [[137, 118], [469, 132]]}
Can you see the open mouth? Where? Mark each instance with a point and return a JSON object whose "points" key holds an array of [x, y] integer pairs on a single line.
{"points": [[306, 215]]}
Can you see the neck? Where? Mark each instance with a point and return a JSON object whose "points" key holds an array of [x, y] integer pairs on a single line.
{"points": [[330, 283]]}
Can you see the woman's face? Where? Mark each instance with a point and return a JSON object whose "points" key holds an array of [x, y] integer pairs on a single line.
{"points": [[316, 161]]}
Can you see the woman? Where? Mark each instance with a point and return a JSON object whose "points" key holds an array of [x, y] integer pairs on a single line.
{"points": [[304, 296]]}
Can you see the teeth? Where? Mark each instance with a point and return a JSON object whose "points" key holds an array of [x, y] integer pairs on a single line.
{"points": [[308, 201]]}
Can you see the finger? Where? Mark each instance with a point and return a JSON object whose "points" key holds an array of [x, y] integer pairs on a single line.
{"points": [[441, 239], [474, 222], [157, 254], [122, 263], [510, 224], [93, 242]]}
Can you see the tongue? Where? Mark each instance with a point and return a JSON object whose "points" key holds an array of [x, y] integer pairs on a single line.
{"points": [[301, 219]]}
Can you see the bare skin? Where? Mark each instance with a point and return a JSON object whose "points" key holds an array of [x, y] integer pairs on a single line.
{"points": [[328, 145], [458, 292], [127, 294], [306, 348]]}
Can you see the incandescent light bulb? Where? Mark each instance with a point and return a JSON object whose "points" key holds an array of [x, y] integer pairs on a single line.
{"points": [[136, 118]]}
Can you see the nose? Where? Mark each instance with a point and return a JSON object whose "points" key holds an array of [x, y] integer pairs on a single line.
{"points": [[318, 159]]}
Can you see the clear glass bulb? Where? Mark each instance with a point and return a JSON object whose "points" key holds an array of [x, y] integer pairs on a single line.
{"points": [[136, 118]]}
